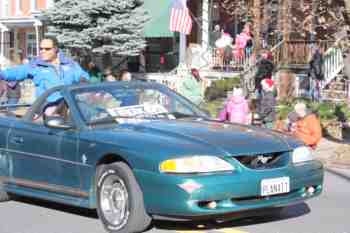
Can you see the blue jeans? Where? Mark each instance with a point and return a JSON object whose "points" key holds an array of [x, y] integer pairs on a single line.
{"points": [[315, 90]]}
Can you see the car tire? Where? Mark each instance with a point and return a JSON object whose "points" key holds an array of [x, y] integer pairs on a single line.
{"points": [[120, 204], [4, 196]]}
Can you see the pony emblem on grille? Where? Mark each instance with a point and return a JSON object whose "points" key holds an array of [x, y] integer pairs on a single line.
{"points": [[260, 161]]}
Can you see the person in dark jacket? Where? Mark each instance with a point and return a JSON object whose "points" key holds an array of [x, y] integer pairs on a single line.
{"points": [[267, 106], [265, 68], [316, 73]]}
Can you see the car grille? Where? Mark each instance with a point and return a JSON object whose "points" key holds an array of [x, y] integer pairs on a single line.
{"points": [[264, 161]]}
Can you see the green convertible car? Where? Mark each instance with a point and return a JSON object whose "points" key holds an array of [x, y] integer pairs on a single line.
{"points": [[137, 151]]}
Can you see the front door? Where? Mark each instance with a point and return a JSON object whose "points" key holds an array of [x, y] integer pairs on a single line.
{"points": [[44, 158]]}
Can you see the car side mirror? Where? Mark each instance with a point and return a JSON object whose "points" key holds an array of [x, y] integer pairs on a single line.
{"points": [[56, 123]]}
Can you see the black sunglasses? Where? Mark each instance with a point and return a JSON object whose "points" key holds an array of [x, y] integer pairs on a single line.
{"points": [[46, 49]]}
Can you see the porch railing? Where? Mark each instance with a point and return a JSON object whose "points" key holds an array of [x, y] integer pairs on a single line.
{"points": [[333, 64], [232, 62], [298, 52]]}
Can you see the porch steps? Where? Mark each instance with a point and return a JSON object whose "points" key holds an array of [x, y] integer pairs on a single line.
{"points": [[337, 90]]}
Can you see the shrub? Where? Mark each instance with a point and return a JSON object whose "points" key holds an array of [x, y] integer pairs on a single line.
{"points": [[283, 111], [214, 107], [326, 110], [219, 88]]}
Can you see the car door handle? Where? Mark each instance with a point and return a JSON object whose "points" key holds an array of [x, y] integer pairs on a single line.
{"points": [[17, 140]]}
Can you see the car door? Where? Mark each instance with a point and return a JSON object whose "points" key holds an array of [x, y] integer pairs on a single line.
{"points": [[45, 157], [5, 125]]}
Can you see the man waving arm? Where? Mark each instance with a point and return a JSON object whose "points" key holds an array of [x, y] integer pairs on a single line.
{"points": [[17, 73]]}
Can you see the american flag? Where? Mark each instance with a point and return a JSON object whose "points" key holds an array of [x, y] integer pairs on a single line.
{"points": [[180, 19]]}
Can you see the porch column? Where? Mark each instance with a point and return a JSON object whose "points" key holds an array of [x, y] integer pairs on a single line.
{"points": [[37, 24], [182, 53], [205, 24], [3, 29]]}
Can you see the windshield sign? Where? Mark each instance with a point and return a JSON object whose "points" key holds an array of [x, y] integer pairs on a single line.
{"points": [[113, 104]]}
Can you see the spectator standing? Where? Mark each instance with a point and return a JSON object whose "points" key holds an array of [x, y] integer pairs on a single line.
{"points": [[142, 62], [191, 87], [264, 70], [267, 105], [125, 76], [94, 72], [236, 109], [253, 116], [308, 127], [109, 76], [215, 35], [316, 74], [224, 49]]}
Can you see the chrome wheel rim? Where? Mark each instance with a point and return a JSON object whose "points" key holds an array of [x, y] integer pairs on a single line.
{"points": [[114, 201]]}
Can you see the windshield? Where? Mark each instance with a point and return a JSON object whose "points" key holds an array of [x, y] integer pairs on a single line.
{"points": [[122, 104]]}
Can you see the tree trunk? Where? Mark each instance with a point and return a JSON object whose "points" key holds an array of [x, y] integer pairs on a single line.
{"points": [[257, 25], [107, 61], [285, 26]]}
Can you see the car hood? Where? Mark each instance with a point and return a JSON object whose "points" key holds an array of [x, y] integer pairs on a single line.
{"points": [[229, 139]]}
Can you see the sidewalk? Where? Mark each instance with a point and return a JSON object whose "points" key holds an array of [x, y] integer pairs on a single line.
{"points": [[335, 155]]}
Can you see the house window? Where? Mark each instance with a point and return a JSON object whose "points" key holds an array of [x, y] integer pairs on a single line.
{"points": [[2, 13], [31, 45], [33, 5], [4, 5], [12, 39], [18, 7]]}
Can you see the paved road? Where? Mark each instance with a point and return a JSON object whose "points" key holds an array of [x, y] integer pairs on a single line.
{"points": [[326, 214]]}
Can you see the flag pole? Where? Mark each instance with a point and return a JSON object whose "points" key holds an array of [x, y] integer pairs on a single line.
{"points": [[182, 49]]}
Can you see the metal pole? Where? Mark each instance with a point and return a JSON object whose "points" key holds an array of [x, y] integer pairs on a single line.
{"points": [[2, 43], [205, 24], [3, 29], [37, 24], [37, 39], [211, 15], [182, 48]]}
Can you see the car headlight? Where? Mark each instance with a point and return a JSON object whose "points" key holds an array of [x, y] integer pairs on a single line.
{"points": [[302, 154], [195, 164]]}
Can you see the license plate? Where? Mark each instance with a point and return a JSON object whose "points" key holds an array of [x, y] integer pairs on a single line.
{"points": [[275, 186]]}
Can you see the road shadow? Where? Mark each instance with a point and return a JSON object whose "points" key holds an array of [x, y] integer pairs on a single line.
{"points": [[230, 221], [289, 212], [56, 206]]}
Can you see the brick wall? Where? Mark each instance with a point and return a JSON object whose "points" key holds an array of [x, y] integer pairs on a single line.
{"points": [[25, 6]]}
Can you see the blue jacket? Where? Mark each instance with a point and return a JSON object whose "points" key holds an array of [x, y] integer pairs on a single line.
{"points": [[46, 76]]}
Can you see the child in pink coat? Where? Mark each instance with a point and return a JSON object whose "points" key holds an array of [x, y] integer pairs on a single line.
{"points": [[236, 109]]}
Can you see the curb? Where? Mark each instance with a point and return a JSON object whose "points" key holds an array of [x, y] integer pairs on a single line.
{"points": [[343, 173]]}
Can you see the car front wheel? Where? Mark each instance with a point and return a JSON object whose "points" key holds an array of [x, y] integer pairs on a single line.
{"points": [[120, 203]]}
